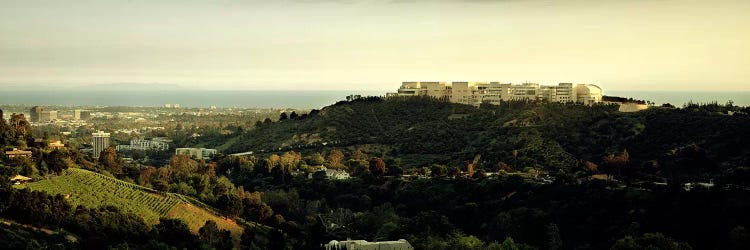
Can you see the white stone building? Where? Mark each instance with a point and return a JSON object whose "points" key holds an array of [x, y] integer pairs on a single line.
{"points": [[475, 93]]}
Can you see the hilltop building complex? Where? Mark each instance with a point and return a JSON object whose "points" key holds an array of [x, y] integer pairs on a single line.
{"points": [[476, 93]]}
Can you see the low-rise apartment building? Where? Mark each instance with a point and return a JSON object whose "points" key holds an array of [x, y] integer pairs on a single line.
{"points": [[18, 153], [156, 144], [198, 153]]}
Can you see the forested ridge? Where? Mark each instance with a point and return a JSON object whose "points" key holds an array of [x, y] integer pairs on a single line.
{"points": [[551, 136], [644, 162], [521, 175]]}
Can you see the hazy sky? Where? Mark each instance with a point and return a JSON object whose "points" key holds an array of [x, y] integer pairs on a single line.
{"points": [[374, 45]]}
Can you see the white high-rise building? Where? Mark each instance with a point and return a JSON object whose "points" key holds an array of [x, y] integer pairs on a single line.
{"points": [[100, 142], [476, 93]]}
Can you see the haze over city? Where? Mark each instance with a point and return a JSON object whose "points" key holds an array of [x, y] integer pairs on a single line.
{"points": [[374, 45]]}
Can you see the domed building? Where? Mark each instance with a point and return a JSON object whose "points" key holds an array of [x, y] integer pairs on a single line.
{"points": [[588, 93]]}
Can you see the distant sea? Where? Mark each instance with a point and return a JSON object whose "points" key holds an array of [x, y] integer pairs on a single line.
{"points": [[186, 98], [679, 98], [290, 99]]}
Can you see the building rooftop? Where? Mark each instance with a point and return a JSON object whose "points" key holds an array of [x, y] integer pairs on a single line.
{"points": [[363, 244], [19, 177], [100, 133], [18, 152]]}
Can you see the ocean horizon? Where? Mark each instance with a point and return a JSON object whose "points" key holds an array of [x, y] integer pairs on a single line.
{"points": [[291, 99]]}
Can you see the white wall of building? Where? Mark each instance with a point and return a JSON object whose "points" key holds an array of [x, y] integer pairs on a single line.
{"points": [[475, 93]]}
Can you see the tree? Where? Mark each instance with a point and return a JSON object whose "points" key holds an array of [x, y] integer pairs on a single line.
{"points": [[509, 244], [111, 161], [358, 155], [454, 172], [590, 166], [256, 211], [650, 241], [377, 166], [175, 232], [274, 159], [182, 166], [58, 161], [146, 174], [394, 170], [283, 116], [231, 204], [438, 170], [525, 224], [358, 167], [276, 238], [470, 170], [247, 238], [461, 241], [4, 130], [315, 159], [24, 166], [615, 163], [553, 233], [20, 128], [211, 234], [504, 167], [739, 238], [293, 116], [208, 169], [335, 159], [289, 161], [314, 112]]}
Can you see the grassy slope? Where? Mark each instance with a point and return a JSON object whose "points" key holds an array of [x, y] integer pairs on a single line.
{"points": [[94, 190]]}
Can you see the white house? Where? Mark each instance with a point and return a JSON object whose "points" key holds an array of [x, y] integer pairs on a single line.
{"points": [[366, 245]]}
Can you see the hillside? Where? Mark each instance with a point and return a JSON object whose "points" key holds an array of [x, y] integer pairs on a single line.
{"points": [[92, 190], [554, 136]]}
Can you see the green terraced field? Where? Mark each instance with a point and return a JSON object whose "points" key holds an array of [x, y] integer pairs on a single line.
{"points": [[92, 190]]}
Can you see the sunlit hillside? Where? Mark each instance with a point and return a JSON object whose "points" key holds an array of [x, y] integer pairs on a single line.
{"points": [[83, 187]]}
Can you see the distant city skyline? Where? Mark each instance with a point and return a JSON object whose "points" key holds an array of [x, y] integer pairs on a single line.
{"points": [[375, 45]]}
